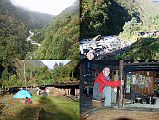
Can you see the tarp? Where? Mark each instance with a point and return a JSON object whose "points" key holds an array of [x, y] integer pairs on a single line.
{"points": [[22, 94]]}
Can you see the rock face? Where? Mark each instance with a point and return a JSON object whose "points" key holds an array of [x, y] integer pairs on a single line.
{"points": [[53, 91], [102, 47], [57, 91]]}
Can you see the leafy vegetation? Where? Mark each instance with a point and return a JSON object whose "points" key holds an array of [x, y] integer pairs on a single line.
{"points": [[130, 30], [61, 37], [38, 35], [36, 73], [105, 17], [143, 49], [12, 36], [14, 25], [146, 21], [68, 72], [125, 18]]}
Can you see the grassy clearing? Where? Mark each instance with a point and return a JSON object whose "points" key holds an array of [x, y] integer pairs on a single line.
{"points": [[48, 108]]}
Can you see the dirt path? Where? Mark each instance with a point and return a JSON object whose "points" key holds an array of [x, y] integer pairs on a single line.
{"points": [[105, 114]]}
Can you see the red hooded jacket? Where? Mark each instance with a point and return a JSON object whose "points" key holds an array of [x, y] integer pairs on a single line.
{"points": [[103, 82]]}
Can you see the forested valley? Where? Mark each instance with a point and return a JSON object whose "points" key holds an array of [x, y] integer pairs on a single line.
{"points": [[128, 19], [60, 39], [57, 36], [15, 23]]}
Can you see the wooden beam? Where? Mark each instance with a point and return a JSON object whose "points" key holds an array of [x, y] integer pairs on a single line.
{"points": [[120, 98]]}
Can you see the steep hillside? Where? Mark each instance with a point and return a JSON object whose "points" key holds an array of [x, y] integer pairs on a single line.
{"points": [[126, 18], [143, 49], [147, 20], [105, 17], [12, 33], [33, 19], [61, 37], [146, 46], [14, 25]]}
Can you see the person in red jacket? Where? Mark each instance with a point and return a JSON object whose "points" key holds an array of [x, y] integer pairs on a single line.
{"points": [[103, 86], [27, 101]]}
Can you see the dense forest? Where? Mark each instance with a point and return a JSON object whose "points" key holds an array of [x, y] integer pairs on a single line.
{"points": [[105, 17], [113, 17], [143, 47], [60, 40], [58, 35], [12, 33], [15, 22], [125, 18], [36, 73], [147, 20]]}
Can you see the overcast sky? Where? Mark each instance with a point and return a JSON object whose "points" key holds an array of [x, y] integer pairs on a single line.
{"points": [[50, 63], [53, 7]]}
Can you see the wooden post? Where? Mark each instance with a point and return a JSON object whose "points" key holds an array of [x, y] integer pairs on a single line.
{"points": [[75, 91], [78, 92], [69, 90], [66, 91], [120, 99], [81, 77]]}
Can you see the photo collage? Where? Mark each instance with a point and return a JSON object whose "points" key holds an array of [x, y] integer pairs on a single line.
{"points": [[79, 59]]}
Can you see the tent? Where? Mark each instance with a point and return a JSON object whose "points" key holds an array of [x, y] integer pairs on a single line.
{"points": [[22, 94]]}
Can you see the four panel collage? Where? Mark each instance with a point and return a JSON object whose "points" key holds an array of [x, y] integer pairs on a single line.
{"points": [[79, 59]]}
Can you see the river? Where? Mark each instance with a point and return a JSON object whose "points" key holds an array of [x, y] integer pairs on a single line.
{"points": [[30, 40], [106, 46]]}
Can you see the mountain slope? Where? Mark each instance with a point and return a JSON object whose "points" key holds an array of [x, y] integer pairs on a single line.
{"points": [[105, 17], [12, 33], [14, 25], [33, 19], [61, 39], [147, 20], [143, 49]]}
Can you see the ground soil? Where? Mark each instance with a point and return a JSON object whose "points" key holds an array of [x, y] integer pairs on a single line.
{"points": [[112, 114]]}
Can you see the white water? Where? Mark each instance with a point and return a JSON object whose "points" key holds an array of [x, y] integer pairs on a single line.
{"points": [[106, 45], [29, 39]]}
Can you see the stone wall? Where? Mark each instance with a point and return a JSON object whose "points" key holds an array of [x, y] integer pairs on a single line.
{"points": [[53, 91]]}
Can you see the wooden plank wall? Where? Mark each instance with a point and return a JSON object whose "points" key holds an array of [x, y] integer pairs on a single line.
{"points": [[147, 90]]}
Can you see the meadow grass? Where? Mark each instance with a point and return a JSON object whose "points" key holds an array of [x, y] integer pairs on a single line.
{"points": [[42, 108]]}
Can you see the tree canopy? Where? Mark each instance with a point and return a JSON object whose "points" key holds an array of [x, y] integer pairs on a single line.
{"points": [[38, 74], [61, 37]]}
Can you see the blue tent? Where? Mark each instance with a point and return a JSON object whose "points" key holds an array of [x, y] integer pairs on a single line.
{"points": [[22, 94]]}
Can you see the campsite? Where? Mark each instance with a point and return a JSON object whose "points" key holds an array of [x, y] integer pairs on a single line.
{"points": [[42, 108], [39, 101]]}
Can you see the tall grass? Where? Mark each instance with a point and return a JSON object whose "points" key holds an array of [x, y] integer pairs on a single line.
{"points": [[42, 108]]}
